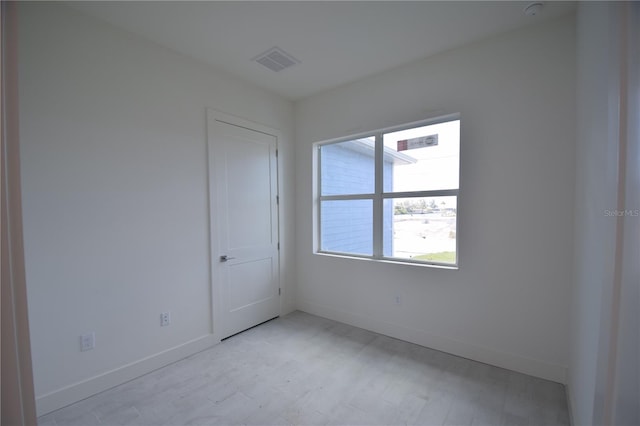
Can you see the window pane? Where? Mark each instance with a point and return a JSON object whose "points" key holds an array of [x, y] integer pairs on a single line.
{"points": [[347, 226], [423, 158], [421, 228], [347, 167]]}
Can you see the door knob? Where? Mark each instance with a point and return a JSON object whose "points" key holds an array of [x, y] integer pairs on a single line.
{"points": [[225, 258]]}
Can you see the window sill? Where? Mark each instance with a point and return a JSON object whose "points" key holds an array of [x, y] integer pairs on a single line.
{"points": [[388, 261]]}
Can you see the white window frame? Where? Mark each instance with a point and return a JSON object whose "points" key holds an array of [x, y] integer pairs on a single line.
{"points": [[378, 196]]}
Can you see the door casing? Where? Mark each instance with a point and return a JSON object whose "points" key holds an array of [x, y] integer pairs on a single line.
{"points": [[217, 319]]}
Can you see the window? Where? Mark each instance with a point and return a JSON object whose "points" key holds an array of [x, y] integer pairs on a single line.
{"points": [[392, 194]]}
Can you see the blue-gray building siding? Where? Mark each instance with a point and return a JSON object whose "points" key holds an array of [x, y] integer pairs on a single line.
{"points": [[347, 225]]}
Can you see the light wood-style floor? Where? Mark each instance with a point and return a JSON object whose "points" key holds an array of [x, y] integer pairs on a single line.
{"points": [[305, 370]]}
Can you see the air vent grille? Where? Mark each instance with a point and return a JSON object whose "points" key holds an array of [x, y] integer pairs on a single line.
{"points": [[276, 59]]}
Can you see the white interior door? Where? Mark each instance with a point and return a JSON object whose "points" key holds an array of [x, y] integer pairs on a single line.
{"points": [[245, 215]]}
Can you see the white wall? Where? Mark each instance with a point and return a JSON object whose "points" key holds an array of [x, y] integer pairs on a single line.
{"points": [[508, 303], [595, 192], [114, 169], [626, 405], [604, 376]]}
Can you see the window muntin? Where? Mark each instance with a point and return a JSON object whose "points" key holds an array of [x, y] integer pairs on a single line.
{"points": [[392, 195]]}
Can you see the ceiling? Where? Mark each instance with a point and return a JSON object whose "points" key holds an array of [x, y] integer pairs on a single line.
{"points": [[336, 42]]}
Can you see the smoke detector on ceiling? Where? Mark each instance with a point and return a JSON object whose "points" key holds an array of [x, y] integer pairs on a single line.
{"points": [[276, 59], [533, 9]]}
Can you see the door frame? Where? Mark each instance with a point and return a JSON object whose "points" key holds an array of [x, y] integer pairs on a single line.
{"points": [[18, 397], [214, 266]]}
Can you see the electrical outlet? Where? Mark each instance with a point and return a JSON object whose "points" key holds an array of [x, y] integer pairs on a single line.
{"points": [[165, 319], [87, 341]]}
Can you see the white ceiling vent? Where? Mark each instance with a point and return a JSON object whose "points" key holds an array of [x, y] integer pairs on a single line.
{"points": [[276, 59]]}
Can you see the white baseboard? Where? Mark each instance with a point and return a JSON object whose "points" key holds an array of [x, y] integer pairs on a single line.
{"points": [[533, 367], [93, 385]]}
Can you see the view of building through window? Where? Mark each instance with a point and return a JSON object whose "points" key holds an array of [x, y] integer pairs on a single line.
{"points": [[424, 228], [417, 196]]}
